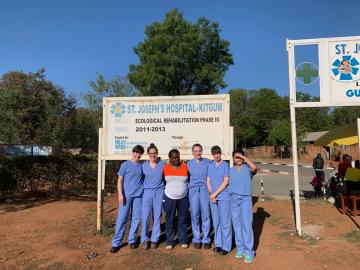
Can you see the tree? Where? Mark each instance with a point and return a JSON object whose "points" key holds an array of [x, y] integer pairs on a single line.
{"points": [[312, 119], [100, 88], [342, 116], [265, 106], [280, 133], [180, 58], [31, 109]]}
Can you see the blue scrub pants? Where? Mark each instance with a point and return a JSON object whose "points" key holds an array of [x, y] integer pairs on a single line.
{"points": [[151, 203], [242, 218], [123, 215], [221, 216], [200, 207], [182, 206]]}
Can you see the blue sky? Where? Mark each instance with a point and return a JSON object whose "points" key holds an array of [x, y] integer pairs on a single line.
{"points": [[75, 40]]}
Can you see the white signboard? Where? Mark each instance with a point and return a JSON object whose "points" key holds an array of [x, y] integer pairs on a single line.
{"points": [[339, 74], [168, 122], [344, 60]]}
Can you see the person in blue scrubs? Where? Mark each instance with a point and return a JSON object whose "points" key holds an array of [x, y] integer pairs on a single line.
{"points": [[217, 183], [240, 188], [130, 192], [199, 198], [152, 198]]}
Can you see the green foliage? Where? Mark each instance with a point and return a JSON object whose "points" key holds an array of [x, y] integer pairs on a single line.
{"points": [[32, 109], [180, 58], [73, 175], [280, 133], [100, 88], [343, 116], [312, 119]]}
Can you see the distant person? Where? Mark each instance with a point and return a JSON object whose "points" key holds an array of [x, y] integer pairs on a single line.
{"points": [[240, 188], [318, 165], [199, 198], [153, 196], [130, 192], [176, 199], [217, 182], [344, 165]]}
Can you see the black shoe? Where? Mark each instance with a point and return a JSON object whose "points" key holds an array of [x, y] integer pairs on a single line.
{"points": [[133, 246], [207, 246], [217, 249], [114, 249], [154, 245], [197, 245], [224, 252]]}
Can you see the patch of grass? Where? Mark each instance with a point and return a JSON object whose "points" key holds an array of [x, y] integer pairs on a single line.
{"points": [[57, 266], [107, 228], [329, 224], [268, 199], [164, 261], [315, 201], [309, 238], [352, 236], [92, 211]]}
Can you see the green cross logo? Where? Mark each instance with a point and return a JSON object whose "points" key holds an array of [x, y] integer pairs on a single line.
{"points": [[308, 72]]}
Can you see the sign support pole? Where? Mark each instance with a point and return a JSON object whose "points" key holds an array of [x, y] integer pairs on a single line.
{"points": [[292, 87], [99, 205]]}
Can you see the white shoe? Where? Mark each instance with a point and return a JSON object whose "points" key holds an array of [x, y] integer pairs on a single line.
{"points": [[184, 245], [169, 247]]}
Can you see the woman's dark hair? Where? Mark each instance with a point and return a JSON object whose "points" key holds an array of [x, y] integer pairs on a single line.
{"points": [[215, 149], [173, 151], [138, 149], [238, 151], [196, 145], [152, 146]]}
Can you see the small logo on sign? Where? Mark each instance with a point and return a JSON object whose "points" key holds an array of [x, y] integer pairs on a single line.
{"points": [[117, 109], [345, 69], [307, 73]]}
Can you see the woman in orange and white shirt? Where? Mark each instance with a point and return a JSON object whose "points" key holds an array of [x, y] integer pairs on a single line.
{"points": [[176, 197]]}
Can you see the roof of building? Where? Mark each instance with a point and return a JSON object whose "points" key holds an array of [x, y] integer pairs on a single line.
{"points": [[313, 136]]}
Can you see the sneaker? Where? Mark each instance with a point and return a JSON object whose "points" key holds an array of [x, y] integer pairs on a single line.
{"points": [[169, 247], [154, 245], [207, 246], [133, 246], [217, 249], [197, 245], [248, 259], [239, 255], [114, 249], [184, 245], [224, 252], [145, 245]]}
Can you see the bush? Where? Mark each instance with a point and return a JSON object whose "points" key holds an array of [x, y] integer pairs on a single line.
{"points": [[73, 175]]}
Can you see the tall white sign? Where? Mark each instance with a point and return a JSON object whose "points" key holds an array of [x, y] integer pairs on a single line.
{"points": [[344, 61], [169, 122], [339, 74]]}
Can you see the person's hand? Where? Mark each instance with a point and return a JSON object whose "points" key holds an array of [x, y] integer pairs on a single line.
{"points": [[242, 156], [213, 197], [121, 199]]}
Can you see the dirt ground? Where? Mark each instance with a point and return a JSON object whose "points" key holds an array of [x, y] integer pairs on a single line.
{"points": [[61, 234]]}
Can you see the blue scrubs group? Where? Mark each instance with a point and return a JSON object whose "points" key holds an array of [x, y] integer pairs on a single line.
{"points": [[199, 200], [143, 190], [220, 211], [152, 200], [132, 191], [240, 187]]}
